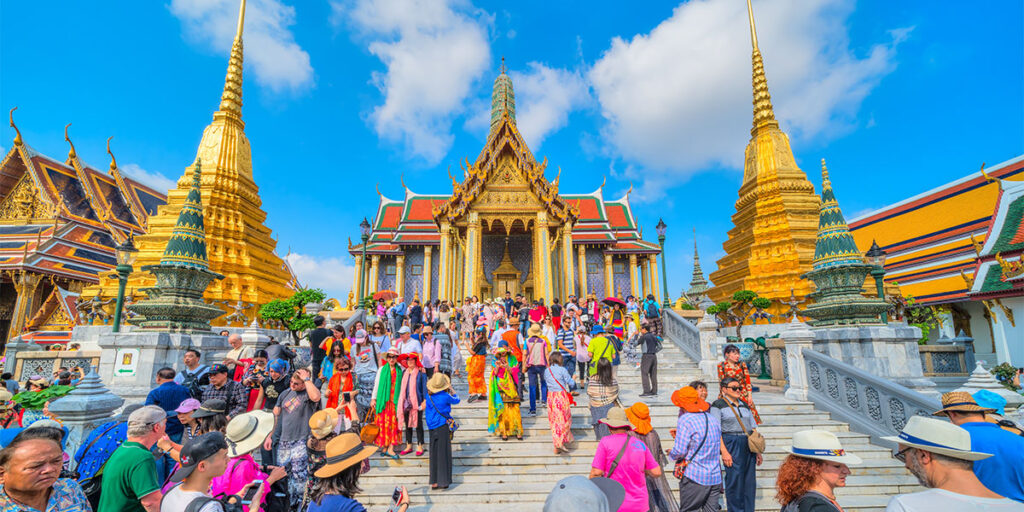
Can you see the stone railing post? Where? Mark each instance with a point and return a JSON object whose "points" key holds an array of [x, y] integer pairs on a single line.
{"points": [[708, 356], [798, 338], [776, 361], [254, 337], [86, 407]]}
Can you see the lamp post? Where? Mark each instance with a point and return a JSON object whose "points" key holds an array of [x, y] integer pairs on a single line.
{"points": [[126, 254], [664, 276], [876, 257], [364, 234]]}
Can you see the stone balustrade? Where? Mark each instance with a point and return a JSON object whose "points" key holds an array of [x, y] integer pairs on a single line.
{"points": [[944, 360], [44, 362]]}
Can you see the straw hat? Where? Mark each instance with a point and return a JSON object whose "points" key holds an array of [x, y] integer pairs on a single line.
{"points": [[439, 382], [960, 401], [5, 395], [427, 330], [937, 436], [534, 330], [640, 416], [246, 432], [687, 399], [342, 452], [820, 445], [616, 418], [322, 422]]}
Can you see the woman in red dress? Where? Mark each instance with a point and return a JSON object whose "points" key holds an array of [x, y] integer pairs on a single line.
{"points": [[732, 367], [385, 403]]}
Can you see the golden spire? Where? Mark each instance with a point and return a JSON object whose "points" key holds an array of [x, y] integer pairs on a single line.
{"points": [[113, 162], [17, 133], [71, 152], [826, 183], [764, 115], [231, 99]]}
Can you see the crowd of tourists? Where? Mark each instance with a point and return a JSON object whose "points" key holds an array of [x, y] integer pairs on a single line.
{"points": [[267, 430]]}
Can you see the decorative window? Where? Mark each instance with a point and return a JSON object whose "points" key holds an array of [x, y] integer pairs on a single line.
{"points": [[417, 270], [389, 270], [592, 268], [619, 268]]}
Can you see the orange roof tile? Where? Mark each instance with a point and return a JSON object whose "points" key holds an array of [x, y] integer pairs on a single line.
{"points": [[616, 215]]}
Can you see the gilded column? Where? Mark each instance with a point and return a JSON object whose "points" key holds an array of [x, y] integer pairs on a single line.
{"points": [[374, 267], [647, 271], [545, 257], [645, 275], [655, 284], [357, 278], [443, 263], [400, 277], [632, 276], [25, 286], [567, 273], [427, 272], [608, 282], [583, 270], [469, 283]]}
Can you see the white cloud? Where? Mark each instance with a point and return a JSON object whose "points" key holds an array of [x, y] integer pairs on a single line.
{"points": [[154, 180], [544, 98], [433, 51], [678, 99], [276, 60], [333, 275]]}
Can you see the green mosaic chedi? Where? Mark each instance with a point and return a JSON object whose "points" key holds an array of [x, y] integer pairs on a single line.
{"points": [[176, 303], [503, 99], [839, 270]]}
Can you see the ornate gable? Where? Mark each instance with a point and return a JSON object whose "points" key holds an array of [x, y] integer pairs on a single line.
{"points": [[25, 203]]}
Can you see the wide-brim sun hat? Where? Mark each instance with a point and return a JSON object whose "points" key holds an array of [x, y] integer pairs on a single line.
{"points": [[211, 407], [960, 401], [820, 445], [990, 400], [596, 329], [534, 330], [342, 452], [640, 416], [439, 382], [616, 418], [247, 432], [322, 422], [937, 436], [687, 399]]}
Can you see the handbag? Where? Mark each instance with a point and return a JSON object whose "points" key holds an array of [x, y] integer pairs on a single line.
{"points": [[755, 441], [452, 424], [572, 401], [680, 468], [368, 434]]}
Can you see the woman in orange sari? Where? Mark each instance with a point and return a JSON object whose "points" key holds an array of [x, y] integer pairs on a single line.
{"points": [[385, 403], [475, 368], [732, 367]]}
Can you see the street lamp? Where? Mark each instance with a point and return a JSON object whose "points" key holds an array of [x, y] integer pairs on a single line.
{"points": [[364, 234], [660, 228], [126, 254], [876, 257]]}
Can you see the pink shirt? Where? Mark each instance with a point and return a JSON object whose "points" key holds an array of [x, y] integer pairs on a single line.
{"points": [[240, 471], [431, 353], [630, 471]]}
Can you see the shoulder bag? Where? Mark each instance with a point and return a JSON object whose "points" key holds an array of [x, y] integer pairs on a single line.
{"points": [[755, 441], [368, 434], [680, 469], [452, 424], [572, 401]]}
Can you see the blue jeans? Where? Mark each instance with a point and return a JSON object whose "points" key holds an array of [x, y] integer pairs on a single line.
{"points": [[569, 362], [537, 373], [524, 328]]}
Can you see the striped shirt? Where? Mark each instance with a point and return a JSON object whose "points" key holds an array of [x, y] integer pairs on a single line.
{"points": [[703, 466], [566, 337]]}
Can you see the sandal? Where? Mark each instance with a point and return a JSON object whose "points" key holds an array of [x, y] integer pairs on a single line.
{"points": [[419, 453]]}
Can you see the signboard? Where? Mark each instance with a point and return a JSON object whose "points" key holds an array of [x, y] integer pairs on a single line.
{"points": [[126, 361]]}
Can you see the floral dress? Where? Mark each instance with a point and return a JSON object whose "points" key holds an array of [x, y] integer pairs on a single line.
{"points": [[503, 415], [739, 372]]}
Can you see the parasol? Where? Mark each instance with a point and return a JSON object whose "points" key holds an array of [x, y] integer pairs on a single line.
{"points": [[611, 301], [385, 294]]}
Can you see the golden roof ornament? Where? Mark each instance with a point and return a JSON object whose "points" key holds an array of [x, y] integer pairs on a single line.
{"points": [[18, 141], [764, 114], [113, 161], [231, 98], [71, 152]]}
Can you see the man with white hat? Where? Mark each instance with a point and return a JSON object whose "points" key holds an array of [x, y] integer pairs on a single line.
{"points": [[406, 344], [939, 455]]}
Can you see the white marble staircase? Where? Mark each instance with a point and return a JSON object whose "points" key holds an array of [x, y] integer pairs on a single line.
{"points": [[491, 474]]}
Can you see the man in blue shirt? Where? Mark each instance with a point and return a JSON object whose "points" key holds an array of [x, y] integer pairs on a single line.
{"points": [[400, 311], [169, 395], [1003, 472]]}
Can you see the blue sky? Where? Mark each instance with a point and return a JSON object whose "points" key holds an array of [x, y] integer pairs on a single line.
{"points": [[899, 97]]}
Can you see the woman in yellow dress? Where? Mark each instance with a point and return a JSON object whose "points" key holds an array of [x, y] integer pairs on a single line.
{"points": [[503, 416]]}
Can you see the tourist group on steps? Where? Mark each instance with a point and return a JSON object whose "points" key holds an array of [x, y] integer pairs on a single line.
{"points": [[265, 430]]}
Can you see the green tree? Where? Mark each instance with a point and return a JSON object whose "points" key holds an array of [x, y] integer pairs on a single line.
{"points": [[745, 305], [290, 313]]}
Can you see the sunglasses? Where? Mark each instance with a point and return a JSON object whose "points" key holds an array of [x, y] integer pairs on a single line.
{"points": [[734, 388], [344, 368]]}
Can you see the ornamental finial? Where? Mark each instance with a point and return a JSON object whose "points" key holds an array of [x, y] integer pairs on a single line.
{"points": [[231, 98], [17, 133], [71, 152], [825, 181], [764, 114], [113, 161], [753, 30]]}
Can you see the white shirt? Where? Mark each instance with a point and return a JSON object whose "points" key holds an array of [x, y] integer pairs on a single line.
{"points": [[176, 500], [939, 499], [406, 347], [548, 333], [496, 337]]}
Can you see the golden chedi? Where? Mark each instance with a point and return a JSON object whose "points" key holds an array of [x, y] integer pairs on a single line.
{"points": [[239, 244], [772, 242]]}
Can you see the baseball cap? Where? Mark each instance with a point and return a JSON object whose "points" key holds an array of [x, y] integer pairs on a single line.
{"points": [[187, 405], [197, 450], [211, 407], [146, 416], [581, 493], [404, 330], [218, 368]]}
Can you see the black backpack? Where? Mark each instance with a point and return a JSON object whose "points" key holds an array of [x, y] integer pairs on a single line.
{"points": [[191, 383], [652, 309]]}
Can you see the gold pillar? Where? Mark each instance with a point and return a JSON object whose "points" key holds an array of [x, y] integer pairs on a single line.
{"points": [[374, 268], [609, 285], [546, 290], [567, 270], [427, 273], [469, 273], [358, 274], [400, 277], [632, 276], [654, 278], [649, 274], [443, 264], [25, 285], [645, 275], [583, 270]]}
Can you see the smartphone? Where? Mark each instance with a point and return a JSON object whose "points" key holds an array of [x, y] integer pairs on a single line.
{"points": [[397, 495], [348, 396], [251, 492]]}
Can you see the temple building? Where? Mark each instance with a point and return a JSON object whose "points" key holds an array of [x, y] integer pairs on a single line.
{"points": [[772, 242], [506, 227], [944, 248], [60, 220], [239, 244]]}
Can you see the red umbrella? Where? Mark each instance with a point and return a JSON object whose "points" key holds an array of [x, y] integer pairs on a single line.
{"points": [[385, 294], [613, 300]]}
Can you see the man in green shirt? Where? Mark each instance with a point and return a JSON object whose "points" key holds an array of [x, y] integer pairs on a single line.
{"points": [[130, 481], [601, 347]]}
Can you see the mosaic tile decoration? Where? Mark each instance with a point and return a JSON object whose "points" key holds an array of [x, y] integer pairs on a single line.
{"points": [[621, 280], [435, 272], [384, 281], [595, 280], [413, 284], [520, 249]]}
